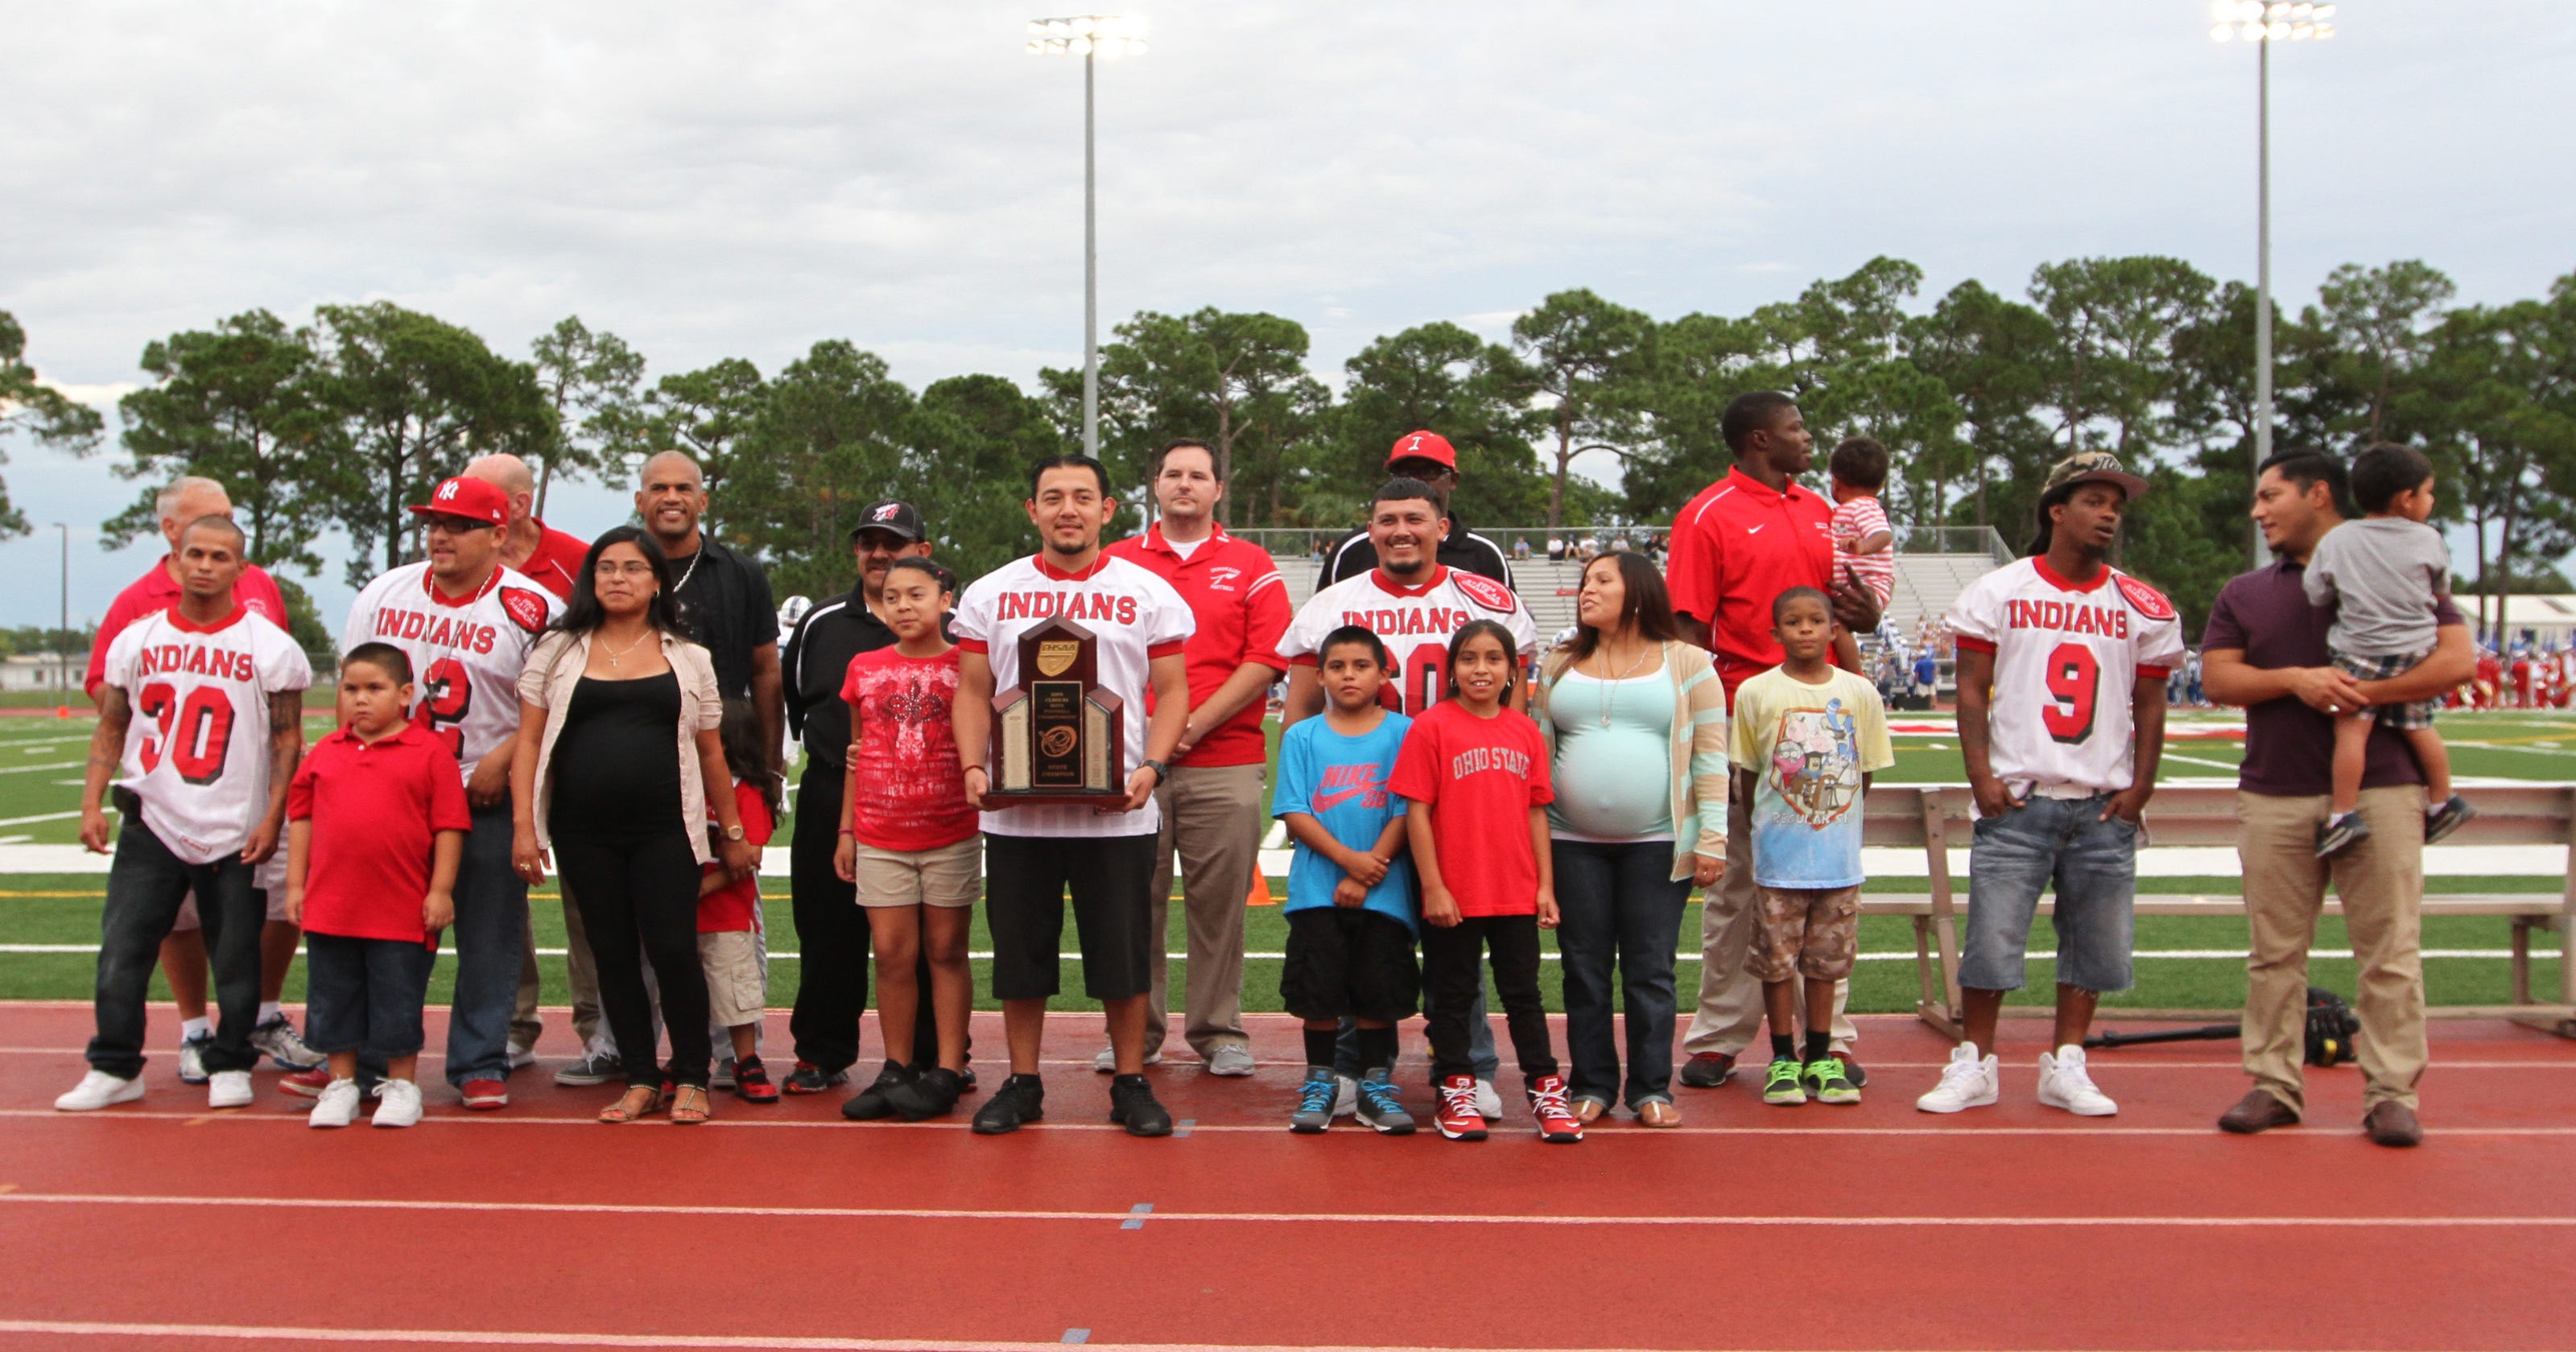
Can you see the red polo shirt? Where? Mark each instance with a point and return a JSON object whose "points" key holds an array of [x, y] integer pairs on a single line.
{"points": [[375, 808], [157, 591], [1735, 548], [557, 560], [1235, 593]]}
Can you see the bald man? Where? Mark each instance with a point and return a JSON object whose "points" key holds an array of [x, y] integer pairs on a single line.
{"points": [[548, 556], [723, 598], [551, 559], [183, 953]]}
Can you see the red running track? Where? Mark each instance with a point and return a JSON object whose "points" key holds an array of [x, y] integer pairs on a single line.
{"points": [[164, 1225]]}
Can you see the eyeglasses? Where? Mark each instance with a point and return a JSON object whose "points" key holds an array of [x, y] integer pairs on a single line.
{"points": [[456, 525], [608, 568]]}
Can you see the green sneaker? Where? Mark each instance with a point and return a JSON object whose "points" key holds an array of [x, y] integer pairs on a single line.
{"points": [[1781, 1084], [1829, 1082]]}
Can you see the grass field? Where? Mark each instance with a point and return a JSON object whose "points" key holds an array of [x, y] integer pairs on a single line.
{"points": [[41, 758]]}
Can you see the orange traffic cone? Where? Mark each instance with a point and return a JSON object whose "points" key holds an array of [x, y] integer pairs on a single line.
{"points": [[1260, 893]]}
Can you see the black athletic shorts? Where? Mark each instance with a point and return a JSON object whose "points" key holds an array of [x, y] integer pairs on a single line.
{"points": [[1348, 962], [1111, 877]]}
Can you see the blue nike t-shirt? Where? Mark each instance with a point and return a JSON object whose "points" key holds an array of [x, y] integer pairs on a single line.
{"points": [[1341, 782]]}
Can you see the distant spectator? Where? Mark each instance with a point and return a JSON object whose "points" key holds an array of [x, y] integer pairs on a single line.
{"points": [[1556, 549], [1520, 547]]}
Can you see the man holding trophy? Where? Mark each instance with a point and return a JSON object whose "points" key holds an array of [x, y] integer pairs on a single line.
{"points": [[1057, 655]]}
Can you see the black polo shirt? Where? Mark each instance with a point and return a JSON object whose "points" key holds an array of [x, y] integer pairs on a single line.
{"points": [[817, 663], [725, 606], [1464, 550]]}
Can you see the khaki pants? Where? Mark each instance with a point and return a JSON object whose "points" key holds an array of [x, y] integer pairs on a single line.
{"points": [[2381, 882], [1730, 998], [524, 1023], [1212, 822]]}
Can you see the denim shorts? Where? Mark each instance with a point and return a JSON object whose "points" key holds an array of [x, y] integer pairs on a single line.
{"points": [[2092, 864]]}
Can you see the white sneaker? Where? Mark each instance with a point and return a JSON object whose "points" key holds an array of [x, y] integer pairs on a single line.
{"points": [[522, 1057], [98, 1089], [1489, 1104], [397, 1103], [1106, 1061], [1346, 1097], [228, 1089], [2063, 1083], [1969, 1081], [337, 1105], [1230, 1061], [192, 1058]]}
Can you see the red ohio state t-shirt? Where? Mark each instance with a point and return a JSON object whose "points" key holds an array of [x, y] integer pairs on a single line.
{"points": [[1481, 777]]}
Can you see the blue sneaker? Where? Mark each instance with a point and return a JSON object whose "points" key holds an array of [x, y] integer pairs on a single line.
{"points": [[1315, 1101], [1379, 1106]]}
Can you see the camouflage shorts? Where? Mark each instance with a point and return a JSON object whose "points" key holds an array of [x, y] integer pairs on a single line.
{"points": [[1811, 932]]}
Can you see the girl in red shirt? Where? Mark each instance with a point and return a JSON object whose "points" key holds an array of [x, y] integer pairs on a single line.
{"points": [[1474, 772]]}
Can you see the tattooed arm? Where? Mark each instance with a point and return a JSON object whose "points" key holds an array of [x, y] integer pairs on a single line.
{"points": [[285, 751], [106, 751]]}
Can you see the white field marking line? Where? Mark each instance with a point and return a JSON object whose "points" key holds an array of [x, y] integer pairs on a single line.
{"points": [[2178, 954], [23, 769], [2201, 760], [40, 817], [194, 1116], [282, 1333], [1305, 1217]]}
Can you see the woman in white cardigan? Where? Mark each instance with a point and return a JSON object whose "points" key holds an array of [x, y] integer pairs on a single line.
{"points": [[617, 766], [1635, 721]]}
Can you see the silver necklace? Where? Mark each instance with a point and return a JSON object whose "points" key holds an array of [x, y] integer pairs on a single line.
{"points": [[622, 652], [1606, 684], [690, 572]]}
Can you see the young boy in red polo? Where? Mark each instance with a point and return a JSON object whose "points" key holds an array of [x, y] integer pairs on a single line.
{"points": [[376, 823]]}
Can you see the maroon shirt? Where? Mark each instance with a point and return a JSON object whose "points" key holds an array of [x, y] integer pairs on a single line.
{"points": [[2289, 747]]}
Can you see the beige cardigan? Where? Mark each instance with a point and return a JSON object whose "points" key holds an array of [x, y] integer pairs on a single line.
{"points": [[554, 668], [1698, 747]]}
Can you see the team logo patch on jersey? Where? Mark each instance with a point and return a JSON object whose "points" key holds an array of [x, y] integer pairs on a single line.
{"points": [[524, 607], [1484, 591], [2150, 602]]}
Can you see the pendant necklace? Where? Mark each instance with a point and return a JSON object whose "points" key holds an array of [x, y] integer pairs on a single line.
{"points": [[1605, 685], [639, 642]]}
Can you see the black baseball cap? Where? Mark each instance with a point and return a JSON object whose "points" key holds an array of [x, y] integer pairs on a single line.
{"points": [[898, 518]]}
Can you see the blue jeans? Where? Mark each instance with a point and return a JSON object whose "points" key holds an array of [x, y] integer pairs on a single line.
{"points": [[491, 936], [2092, 863], [145, 885], [1619, 902]]}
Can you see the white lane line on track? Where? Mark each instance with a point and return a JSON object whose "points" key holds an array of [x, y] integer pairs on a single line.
{"points": [[2074, 1130], [1301, 1217], [284, 1333]]}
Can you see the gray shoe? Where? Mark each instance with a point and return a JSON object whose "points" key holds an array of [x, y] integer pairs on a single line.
{"points": [[277, 1041], [1346, 1097], [2341, 832], [192, 1058], [591, 1070], [1231, 1060], [1315, 1101], [1106, 1060], [1489, 1102], [722, 1076], [1380, 1107], [2446, 817]]}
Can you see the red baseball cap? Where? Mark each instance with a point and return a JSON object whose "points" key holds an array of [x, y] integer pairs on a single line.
{"points": [[472, 499], [1423, 446]]}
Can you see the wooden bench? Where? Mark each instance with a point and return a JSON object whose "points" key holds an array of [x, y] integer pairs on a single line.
{"points": [[1936, 818]]}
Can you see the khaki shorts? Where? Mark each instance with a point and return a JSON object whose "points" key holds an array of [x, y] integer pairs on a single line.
{"points": [[735, 993], [1811, 932], [952, 875]]}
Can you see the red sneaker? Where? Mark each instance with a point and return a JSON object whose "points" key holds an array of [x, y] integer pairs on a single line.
{"points": [[306, 1083], [483, 1096], [808, 1078], [1458, 1119], [1556, 1119], [751, 1082]]}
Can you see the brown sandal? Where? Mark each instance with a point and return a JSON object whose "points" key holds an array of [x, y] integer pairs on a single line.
{"points": [[684, 1112], [619, 1114]]}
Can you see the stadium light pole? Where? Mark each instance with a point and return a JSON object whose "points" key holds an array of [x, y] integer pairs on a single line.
{"points": [[2263, 23], [1093, 37]]}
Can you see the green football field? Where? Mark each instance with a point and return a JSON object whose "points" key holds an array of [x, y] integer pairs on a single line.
{"points": [[2183, 961]]}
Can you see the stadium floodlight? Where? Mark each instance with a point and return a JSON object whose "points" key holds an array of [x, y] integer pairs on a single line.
{"points": [[1094, 38], [2264, 23]]}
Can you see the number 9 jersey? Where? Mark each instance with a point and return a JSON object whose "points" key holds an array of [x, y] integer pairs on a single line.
{"points": [[2067, 657], [196, 753], [465, 651]]}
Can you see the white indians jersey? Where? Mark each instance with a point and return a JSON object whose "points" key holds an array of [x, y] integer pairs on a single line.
{"points": [[1415, 624], [2066, 660], [197, 750], [465, 654], [1137, 618]]}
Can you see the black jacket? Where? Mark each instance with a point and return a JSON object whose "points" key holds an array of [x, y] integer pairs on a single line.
{"points": [[1463, 550]]}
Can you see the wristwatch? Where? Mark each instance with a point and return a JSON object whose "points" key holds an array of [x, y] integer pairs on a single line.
{"points": [[1162, 772], [733, 832]]}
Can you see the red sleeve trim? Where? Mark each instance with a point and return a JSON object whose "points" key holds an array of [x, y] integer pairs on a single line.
{"points": [[971, 645], [1302, 660], [1163, 650], [2154, 673], [1975, 645]]}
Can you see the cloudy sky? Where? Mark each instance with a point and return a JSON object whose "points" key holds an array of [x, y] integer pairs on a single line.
{"points": [[745, 179]]}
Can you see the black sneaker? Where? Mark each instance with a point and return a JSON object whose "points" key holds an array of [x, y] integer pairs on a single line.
{"points": [[1852, 1070], [2341, 832], [2446, 817], [1707, 1070], [808, 1078], [932, 1093], [871, 1103], [966, 1078], [1021, 1099], [1132, 1105]]}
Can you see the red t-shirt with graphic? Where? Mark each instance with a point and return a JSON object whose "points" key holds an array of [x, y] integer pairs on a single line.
{"points": [[907, 791], [1481, 777]]}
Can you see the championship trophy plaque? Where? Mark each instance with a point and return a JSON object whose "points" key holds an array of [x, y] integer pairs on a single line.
{"points": [[1059, 738]]}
